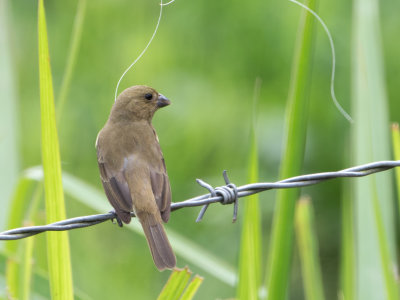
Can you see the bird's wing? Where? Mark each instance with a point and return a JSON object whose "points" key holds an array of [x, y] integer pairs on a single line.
{"points": [[116, 189], [161, 189]]}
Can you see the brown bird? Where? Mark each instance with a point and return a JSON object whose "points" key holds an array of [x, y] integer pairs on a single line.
{"points": [[132, 168]]}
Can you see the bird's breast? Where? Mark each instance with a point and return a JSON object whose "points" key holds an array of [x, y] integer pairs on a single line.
{"points": [[137, 140]]}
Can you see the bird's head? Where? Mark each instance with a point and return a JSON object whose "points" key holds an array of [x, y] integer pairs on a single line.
{"points": [[138, 102]]}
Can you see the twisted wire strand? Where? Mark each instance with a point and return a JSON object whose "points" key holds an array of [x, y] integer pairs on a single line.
{"points": [[226, 194]]}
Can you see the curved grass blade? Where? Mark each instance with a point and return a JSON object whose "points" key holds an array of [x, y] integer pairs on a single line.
{"points": [[58, 252]]}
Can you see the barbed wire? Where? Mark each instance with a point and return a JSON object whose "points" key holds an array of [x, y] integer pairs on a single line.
{"points": [[226, 194]]}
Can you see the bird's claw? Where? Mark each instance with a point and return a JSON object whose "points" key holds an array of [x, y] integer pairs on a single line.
{"points": [[119, 222]]}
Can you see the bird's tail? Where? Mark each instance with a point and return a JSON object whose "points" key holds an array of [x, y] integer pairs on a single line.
{"points": [[163, 256]]}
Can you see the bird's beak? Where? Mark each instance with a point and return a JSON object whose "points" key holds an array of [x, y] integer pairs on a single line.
{"points": [[162, 101]]}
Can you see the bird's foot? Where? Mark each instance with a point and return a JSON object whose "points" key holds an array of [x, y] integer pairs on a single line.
{"points": [[119, 222]]}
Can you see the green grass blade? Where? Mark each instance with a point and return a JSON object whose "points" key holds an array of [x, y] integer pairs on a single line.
{"points": [[58, 252], [26, 273], [347, 268], [175, 285], [280, 253], [192, 288], [396, 154], [9, 156], [184, 247], [308, 248], [387, 266], [18, 275], [12, 276], [374, 218], [17, 212], [19, 204], [21, 210], [250, 244], [27, 245], [72, 54]]}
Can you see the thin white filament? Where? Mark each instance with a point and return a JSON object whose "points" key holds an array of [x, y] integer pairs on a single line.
{"points": [[338, 106], [143, 52], [168, 3]]}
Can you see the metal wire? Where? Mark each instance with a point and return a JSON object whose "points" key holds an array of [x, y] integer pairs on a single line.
{"points": [[226, 194]]}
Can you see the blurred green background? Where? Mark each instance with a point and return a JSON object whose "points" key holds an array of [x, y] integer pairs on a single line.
{"points": [[205, 57]]}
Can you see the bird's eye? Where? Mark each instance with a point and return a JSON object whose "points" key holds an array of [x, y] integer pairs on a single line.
{"points": [[148, 96]]}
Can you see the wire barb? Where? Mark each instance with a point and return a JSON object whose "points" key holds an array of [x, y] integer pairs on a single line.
{"points": [[213, 194], [227, 194]]}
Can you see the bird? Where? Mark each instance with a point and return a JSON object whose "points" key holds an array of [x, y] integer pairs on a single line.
{"points": [[132, 168]]}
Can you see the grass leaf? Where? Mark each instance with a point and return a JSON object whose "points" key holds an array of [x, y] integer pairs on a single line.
{"points": [[192, 288], [58, 252], [392, 292], [175, 285], [308, 248], [347, 268], [281, 245], [17, 212], [396, 154], [26, 274], [373, 208], [250, 244]]}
